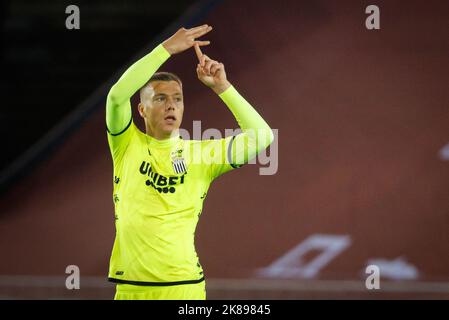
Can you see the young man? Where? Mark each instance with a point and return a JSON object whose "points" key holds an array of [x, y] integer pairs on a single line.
{"points": [[161, 180]]}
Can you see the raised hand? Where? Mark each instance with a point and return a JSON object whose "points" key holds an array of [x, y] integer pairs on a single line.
{"points": [[211, 72], [184, 39]]}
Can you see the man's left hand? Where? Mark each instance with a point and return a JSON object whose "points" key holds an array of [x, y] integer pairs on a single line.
{"points": [[211, 72]]}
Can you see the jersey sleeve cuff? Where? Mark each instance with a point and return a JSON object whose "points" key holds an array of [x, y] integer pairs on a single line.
{"points": [[229, 94], [161, 53]]}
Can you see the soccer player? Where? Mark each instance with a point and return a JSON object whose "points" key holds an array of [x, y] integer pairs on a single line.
{"points": [[161, 180]]}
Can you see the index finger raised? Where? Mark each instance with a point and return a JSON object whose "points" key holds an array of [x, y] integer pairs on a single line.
{"points": [[199, 54]]}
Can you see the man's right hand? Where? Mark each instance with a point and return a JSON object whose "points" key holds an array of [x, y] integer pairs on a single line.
{"points": [[184, 39]]}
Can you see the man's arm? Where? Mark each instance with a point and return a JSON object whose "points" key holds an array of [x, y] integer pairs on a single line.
{"points": [[256, 133], [118, 107]]}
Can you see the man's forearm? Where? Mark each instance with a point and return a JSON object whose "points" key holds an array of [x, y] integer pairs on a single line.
{"points": [[137, 75], [257, 134], [219, 89], [118, 106], [246, 116]]}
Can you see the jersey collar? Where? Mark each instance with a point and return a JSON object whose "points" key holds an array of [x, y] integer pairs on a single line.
{"points": [[153, 142]]}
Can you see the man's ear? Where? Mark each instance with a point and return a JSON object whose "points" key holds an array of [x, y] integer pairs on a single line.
{"points": [[141, 108]]}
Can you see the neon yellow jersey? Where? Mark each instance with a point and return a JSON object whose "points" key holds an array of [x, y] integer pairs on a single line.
{"points": [[160, 185], [159, 189]]}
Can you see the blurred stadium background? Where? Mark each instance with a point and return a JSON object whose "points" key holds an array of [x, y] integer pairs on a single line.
{"points": [[363, 171]]}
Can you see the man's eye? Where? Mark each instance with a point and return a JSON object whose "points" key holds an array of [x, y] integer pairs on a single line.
{"points": [[178, 99], [160, 99]]}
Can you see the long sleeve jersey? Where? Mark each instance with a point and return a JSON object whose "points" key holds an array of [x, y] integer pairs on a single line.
{"points": [[160, 185]]}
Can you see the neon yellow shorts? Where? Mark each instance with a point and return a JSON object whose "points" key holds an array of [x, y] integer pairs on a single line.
{"points": [[195, 291]]}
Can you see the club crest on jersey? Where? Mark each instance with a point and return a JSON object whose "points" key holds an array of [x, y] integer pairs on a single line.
{"points": [[179, 165]]}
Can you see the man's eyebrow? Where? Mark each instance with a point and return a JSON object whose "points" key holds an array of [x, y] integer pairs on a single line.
{"points": [[164, 94]]}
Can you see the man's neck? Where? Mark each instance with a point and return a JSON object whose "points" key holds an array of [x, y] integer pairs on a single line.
{"points": [[161, 136]]}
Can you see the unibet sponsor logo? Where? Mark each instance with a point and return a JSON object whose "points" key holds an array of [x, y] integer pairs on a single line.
{"points": [[159, 182]]}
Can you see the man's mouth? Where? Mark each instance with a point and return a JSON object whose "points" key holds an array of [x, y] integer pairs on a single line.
{"points": [[170, 118], [173, 118]]}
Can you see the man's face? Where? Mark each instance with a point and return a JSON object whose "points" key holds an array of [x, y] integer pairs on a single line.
{"points": [[162, 107]]}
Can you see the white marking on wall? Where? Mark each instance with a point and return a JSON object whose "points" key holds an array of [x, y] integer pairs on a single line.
{"points": [[397, 269], [292, 264], [444, 153]]}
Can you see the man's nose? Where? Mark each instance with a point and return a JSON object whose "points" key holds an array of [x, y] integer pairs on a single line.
{"points": [[170, 104]]}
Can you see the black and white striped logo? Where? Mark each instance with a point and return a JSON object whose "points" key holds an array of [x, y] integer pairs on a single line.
{"points": [[179, 165]]}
